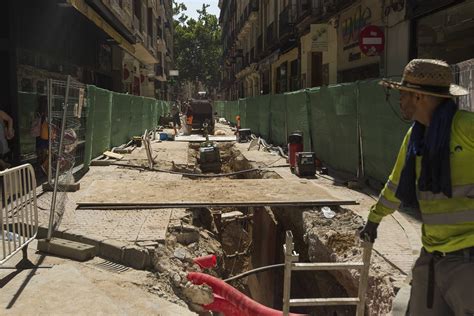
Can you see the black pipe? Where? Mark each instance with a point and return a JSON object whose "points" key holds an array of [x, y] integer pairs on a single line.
{"points": [[257, 270]]}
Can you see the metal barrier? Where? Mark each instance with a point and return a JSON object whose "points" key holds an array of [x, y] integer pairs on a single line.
{"points": [[290, 265], [18, 212]]}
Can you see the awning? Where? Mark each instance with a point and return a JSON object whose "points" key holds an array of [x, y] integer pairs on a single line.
{"points": [[88, 12]]}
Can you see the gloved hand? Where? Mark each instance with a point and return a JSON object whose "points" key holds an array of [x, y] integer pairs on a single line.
{"points": [[369, 232]]}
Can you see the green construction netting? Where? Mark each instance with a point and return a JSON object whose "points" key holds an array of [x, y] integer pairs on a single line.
{"points": [[113, 118], [334, 126], [243, 113], [27, 107], [278, 120], [99, 122], [218, 107], [253, 114], [233, 110], [121, 118], [382, 129], [298, 116], [264, 116]]}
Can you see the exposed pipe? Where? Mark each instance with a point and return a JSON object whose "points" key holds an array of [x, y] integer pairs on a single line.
{"points": [[222, 305], [244, 304]]}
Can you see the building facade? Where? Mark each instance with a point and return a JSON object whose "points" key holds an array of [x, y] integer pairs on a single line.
{"points": [[285, 45], [119, 45]]}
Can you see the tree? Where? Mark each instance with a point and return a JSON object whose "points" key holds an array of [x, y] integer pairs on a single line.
{"points": [[197, 46]]}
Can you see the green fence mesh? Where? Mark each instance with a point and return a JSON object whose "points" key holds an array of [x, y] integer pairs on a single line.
{"points": [[99, 121], [334, 126], [233, 110], [113, 118], [298, 115], [329, 118], [264, 116], [243, 113], [252, 115], [121, 118], [382, 129], [278, 120]]}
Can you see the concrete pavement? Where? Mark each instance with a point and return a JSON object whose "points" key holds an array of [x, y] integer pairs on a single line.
{"points": [[73, 288]]}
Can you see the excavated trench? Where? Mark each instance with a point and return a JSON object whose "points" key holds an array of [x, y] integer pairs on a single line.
{"points": [[253, 237]]}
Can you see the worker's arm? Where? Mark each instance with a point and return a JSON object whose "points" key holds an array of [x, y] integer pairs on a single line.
{"points": [[387, 202], [9, 124]]}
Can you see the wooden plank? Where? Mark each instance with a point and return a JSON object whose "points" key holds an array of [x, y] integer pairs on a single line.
{"points": [[113, 155], [207, 193]]}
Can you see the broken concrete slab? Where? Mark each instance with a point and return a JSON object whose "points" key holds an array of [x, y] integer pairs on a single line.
{"points": [[67, 249], [136, 257], [111, 249]]}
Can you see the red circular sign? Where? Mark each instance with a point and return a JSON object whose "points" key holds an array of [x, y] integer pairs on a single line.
{"points": [[372, 40]]}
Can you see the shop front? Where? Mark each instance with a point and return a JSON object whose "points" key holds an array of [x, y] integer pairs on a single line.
{"points": [[447, 34]]}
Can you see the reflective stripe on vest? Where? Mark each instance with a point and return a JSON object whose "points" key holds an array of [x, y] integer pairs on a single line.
{"points": [[459, 191], [451, 218], [389, 204], [392, 186]]}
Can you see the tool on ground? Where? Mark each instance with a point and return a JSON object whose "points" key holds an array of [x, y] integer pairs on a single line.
{"points": [[295, 145], [305, 164], [209, 155], [244, 135], [291, 265]]}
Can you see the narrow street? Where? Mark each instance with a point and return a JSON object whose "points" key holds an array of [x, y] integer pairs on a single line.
{"points": [[237, 157], [164, 241]]}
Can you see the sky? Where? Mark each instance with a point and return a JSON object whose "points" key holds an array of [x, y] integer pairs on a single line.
{"points": [[193, 5]]}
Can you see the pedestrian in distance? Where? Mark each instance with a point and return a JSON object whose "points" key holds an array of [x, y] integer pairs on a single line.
{"points": [[434, 173], [176, 120]]}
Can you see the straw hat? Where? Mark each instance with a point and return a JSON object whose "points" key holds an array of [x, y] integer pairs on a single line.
{"points": [[427, 76]]}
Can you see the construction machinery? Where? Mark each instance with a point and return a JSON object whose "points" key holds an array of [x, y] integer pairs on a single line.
{"points": [[209, 156], [305, 165]]}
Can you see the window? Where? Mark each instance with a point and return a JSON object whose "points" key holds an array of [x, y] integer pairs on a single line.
{"points": [[447, 34]]}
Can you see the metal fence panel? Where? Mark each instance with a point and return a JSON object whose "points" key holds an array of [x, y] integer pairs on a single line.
{"points": [[18, 210]]}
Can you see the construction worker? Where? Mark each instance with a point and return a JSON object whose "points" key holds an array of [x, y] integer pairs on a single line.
{"points": [[434, 173]]}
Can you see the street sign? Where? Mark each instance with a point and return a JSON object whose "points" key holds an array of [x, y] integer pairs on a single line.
{"points": [[372, 40], [174, 73]]}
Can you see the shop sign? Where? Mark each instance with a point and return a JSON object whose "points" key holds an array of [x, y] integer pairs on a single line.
{"points": [[352, 21], [353, 24], [319, 37]]}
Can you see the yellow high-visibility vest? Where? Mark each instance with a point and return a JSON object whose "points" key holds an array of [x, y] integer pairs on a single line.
{"points": [[448, 223]]}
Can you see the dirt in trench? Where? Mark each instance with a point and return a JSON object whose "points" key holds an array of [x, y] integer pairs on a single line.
{"points": [[198, 232]]}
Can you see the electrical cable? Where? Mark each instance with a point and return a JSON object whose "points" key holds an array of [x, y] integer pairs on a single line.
{"points": [[187, 174], [253, 271]]}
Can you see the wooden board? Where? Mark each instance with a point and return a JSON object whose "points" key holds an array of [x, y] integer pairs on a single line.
{"points": [[207, 193], [113, 155], [200, 138]]}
